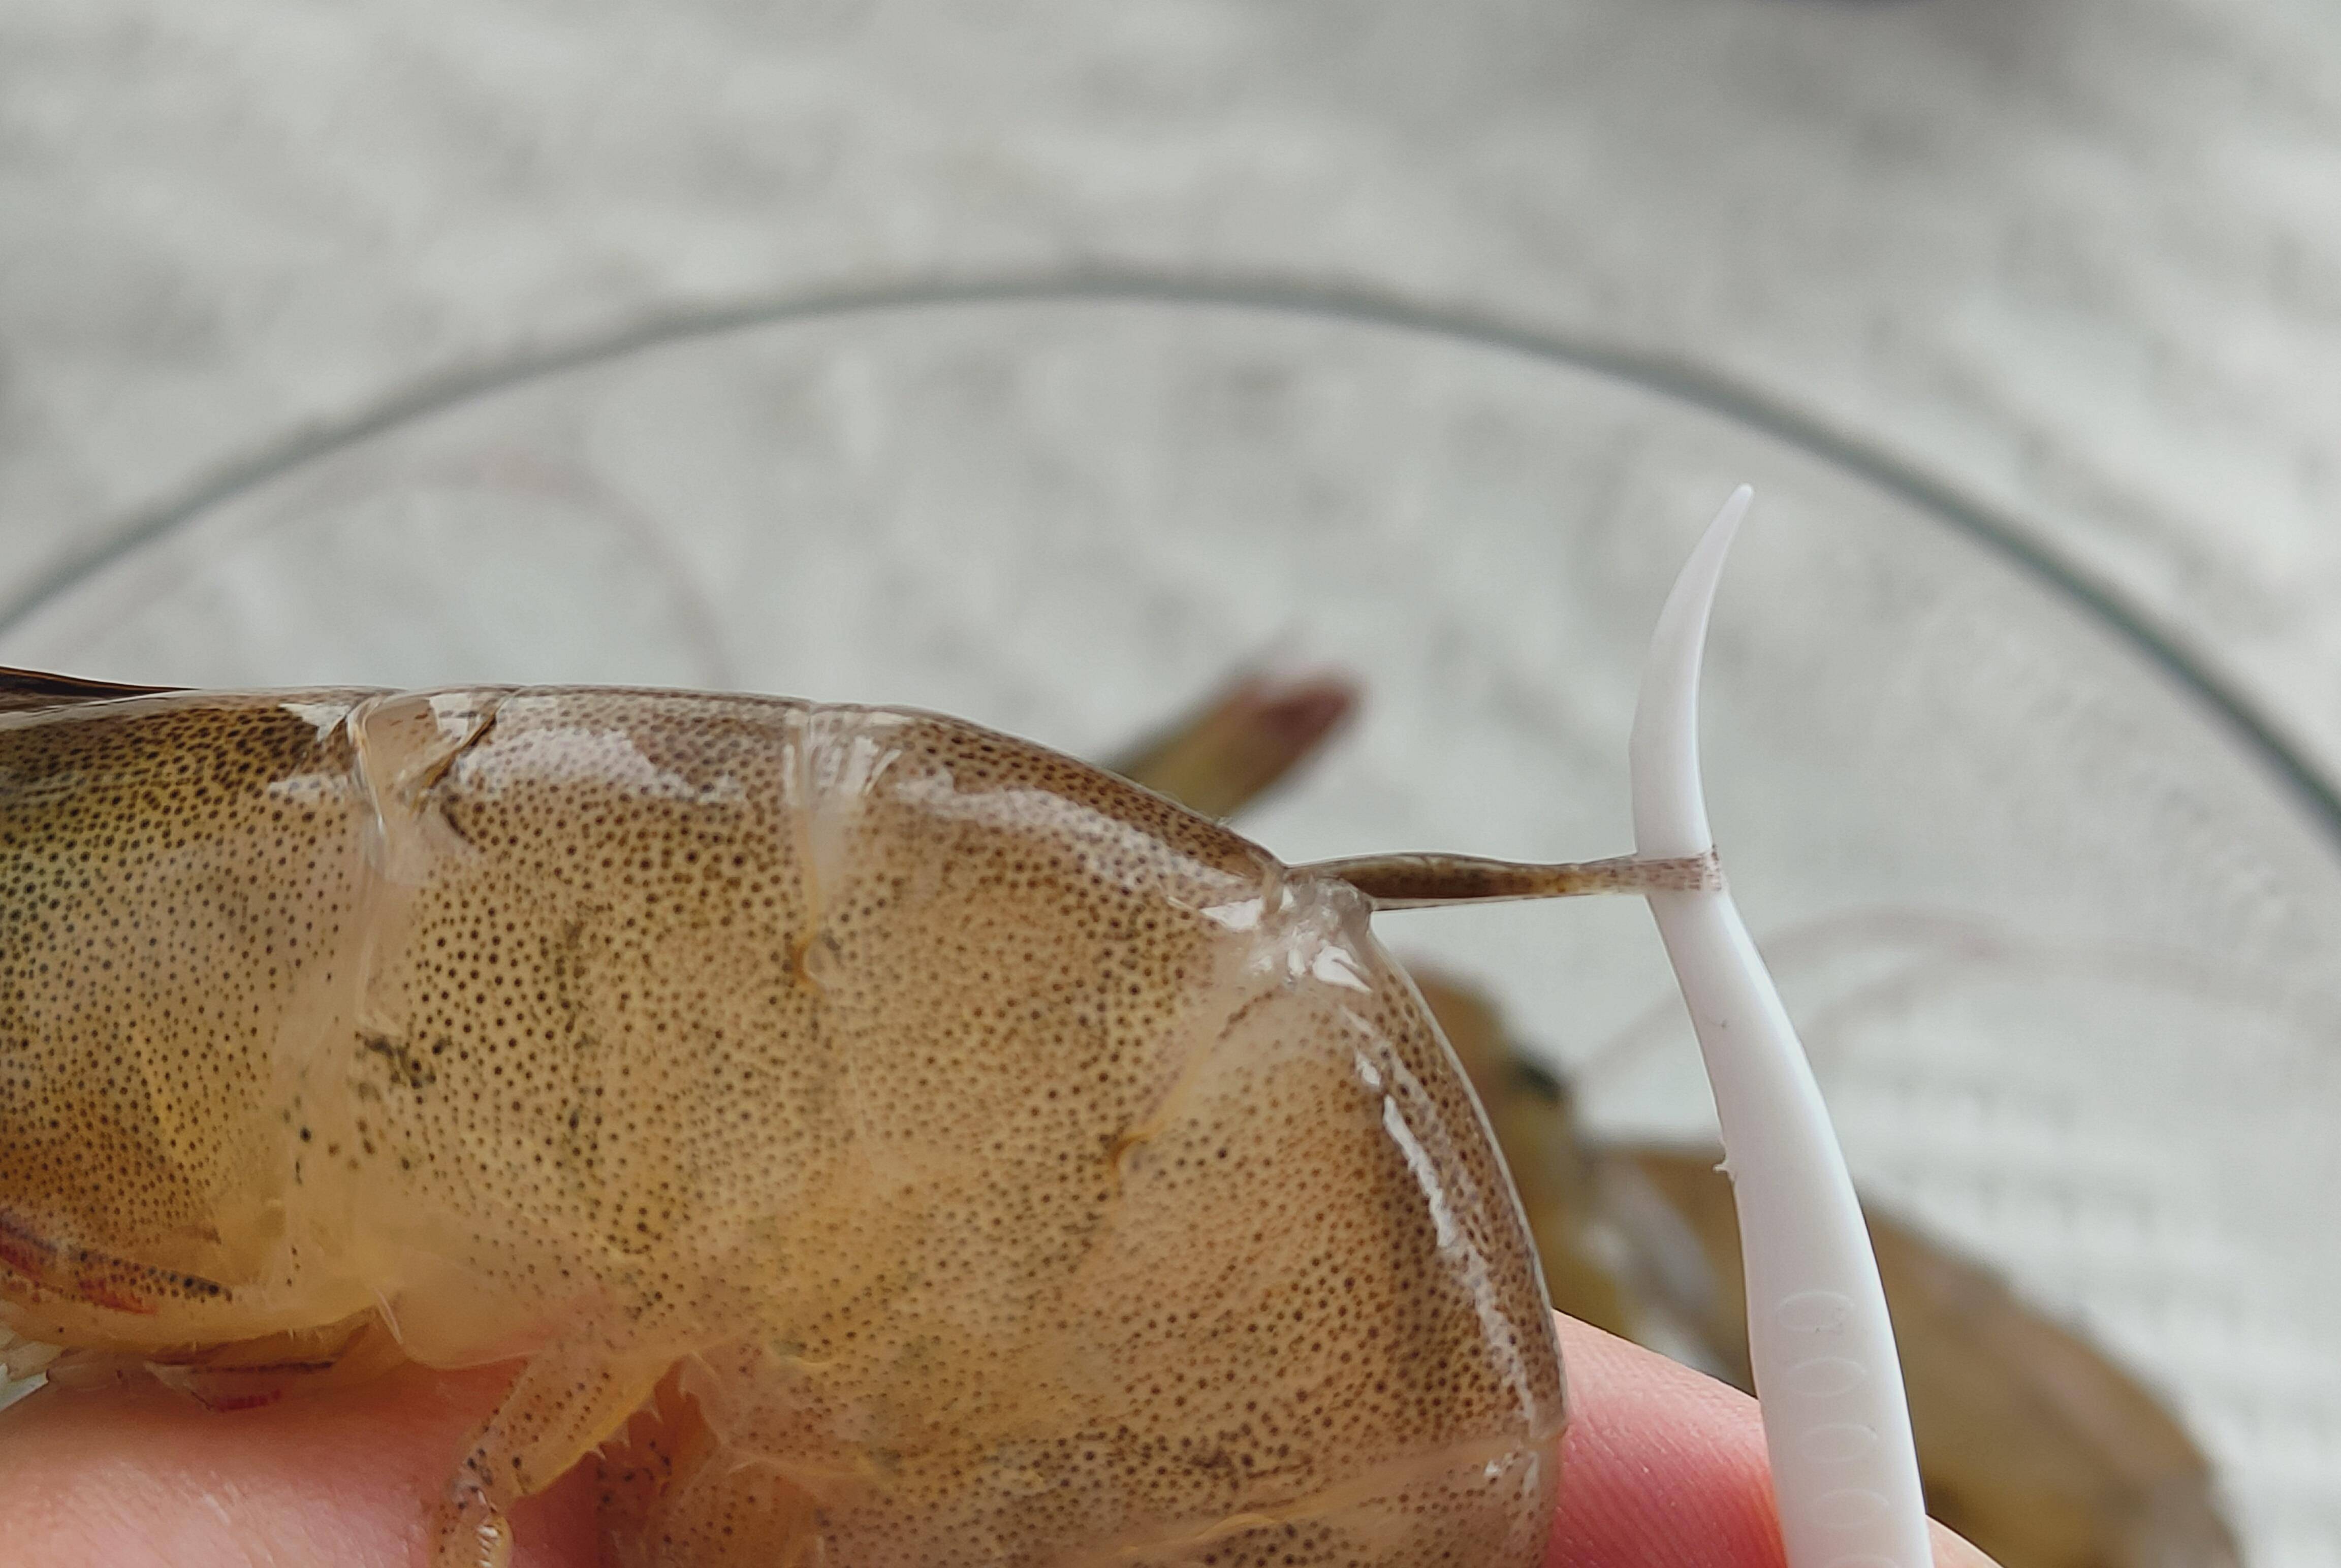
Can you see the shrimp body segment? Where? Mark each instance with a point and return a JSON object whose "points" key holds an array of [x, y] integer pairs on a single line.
{"points": [[888, 1142]]}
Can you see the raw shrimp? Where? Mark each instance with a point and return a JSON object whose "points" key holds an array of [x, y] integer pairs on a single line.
{"points": [[887, 1141]]}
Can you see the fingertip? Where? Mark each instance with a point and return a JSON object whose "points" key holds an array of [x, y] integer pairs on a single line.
{"points": [[560, 1526], [1660, 1467], [1952, 1550], [1664, 1467], [137, 1474]]}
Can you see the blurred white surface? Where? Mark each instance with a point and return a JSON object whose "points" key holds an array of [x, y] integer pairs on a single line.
{"points": [[2080, 260], [2084, 257]]}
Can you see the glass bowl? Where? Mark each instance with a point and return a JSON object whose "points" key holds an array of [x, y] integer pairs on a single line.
{"points": [[2057, 919]]}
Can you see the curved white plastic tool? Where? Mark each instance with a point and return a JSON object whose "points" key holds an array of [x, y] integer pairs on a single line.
{"points": [[1844, 1471]]}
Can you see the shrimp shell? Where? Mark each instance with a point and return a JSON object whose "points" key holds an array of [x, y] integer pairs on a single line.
{"points": [[892, 1141]]}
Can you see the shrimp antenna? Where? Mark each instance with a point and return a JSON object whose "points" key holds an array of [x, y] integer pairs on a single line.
{"points": [[1845, 1473], [1435, 881]]}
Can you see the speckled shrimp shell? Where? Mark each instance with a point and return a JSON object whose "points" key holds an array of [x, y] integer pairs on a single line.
{"points": [[892, 1141]]}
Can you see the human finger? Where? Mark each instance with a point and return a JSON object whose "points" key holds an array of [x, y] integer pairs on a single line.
{"points": [[1664, 1467], [139, 1476]]}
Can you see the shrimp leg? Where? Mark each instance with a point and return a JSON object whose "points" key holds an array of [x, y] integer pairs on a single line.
{"points": [[569, 1398]]}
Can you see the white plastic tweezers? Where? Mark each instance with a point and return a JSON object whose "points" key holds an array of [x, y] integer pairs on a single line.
{"points": [[1844, 1471]]}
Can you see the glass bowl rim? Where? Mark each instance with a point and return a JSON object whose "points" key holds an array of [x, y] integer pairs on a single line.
{"points": [[1667, 377]]}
